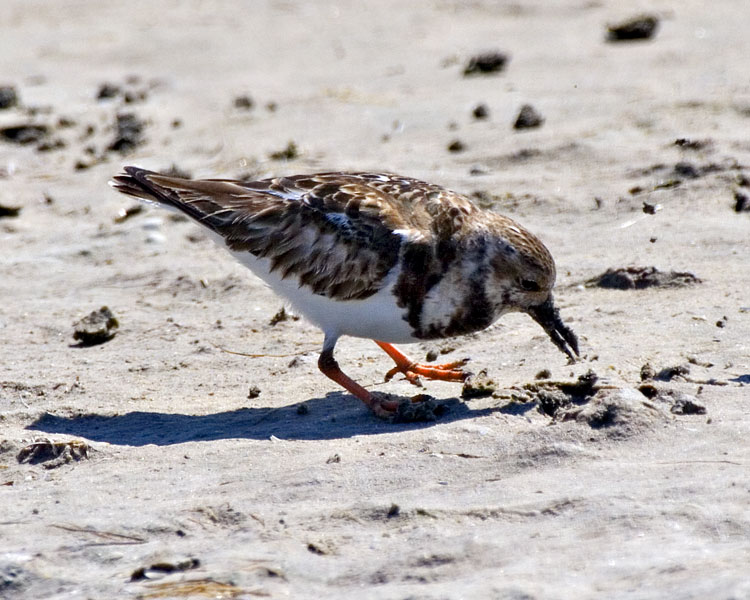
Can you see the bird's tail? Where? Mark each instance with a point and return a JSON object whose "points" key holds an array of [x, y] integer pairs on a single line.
{"points": [[136, 182]]}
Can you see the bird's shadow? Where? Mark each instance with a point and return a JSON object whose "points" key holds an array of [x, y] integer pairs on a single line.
{"points": [[334, 416]]}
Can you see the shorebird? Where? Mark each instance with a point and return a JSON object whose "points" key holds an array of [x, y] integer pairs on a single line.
{"points": [[373, 255]]}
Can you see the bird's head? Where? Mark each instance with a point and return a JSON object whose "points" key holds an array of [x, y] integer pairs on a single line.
{"points": [[524, 273]]}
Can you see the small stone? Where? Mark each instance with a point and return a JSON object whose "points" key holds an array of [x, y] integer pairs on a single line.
{"points": [[96, 328], [486, 63], [24, 134], [9, 211], [642, 27], [528, 118], [478, 386], [244, 102], [108, 91], [741, 202], [129, 133], [685, 404], [253, 392], [8, 97], [456, 146], [480, 112], [289, 153]]}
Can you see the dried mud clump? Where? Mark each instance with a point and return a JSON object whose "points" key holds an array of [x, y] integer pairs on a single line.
{"points": [[53, 454], [486, 63], [160, 569], [528, 118], [420, 408], [128, 133], [9, 211], [642, 27], [8, 97], [480, 112], [289, 153], [456, 146], [96, 328], [24, 134], [244, 102], [741, 202], [620, 412], [554, 396], [638, 278], [478, 386]]}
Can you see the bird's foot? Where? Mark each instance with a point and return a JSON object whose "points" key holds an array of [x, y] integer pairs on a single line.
{"points": [[447, 372]]}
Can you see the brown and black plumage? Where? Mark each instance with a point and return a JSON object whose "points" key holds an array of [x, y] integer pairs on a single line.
{"points": [[372, 255]]}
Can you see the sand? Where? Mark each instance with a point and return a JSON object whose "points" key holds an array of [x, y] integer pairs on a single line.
{"points": [[159, 465]]}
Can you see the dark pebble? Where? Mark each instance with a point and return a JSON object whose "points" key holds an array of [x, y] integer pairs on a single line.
{"points": [[456, 146], [638, 28], [8, 97], [686, 169], [741, 202], [9, 211], [24, 134], [107, 91], [244, 102], [96, 328], [528, 118], [289, 153], [129, 133], [480, 112], [486, 63]]}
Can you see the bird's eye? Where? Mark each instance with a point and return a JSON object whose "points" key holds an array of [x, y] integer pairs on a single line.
{"points": [[529, 285]]}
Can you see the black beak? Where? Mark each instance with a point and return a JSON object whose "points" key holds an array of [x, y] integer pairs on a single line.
{"points": [[562, 336]]}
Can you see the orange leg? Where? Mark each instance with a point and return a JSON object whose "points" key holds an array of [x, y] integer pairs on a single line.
{"points": [[413, 370], [330, 368]]}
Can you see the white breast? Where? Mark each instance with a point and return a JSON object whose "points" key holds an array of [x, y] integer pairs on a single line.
{"points": [[377, 317]]}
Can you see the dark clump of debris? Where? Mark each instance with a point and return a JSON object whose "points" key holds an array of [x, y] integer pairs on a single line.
{"points": [[642, 27], [478, 386], [9, 211], [456, 146], [24, 134], [8, 97], [53, 454], [528, 118], [163, 568], [741, 202], [108, 90], [553, 396], [133, 90], [480, 111], [128, 134], [648, 372], [689, 144], [281, 316], [486, 63], [685, 404], [638, 278], [96, 328], [244, 102], [289, 153]]}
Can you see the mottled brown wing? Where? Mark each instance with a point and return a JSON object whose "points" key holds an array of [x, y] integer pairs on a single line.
{"points": [[338, 233]]}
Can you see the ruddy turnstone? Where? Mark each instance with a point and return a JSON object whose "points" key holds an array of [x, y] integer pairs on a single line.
{"points": [[373, 255]]}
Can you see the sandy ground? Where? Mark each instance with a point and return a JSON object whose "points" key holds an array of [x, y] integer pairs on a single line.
{"points": [[250, 477]]}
